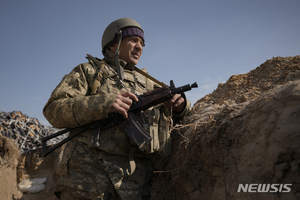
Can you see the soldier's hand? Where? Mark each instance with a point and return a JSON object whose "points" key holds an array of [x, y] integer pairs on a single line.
{"points": [[177, 103], [122, 103]]}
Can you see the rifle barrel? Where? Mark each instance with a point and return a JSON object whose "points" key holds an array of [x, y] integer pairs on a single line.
{"points": [[184, 88]]}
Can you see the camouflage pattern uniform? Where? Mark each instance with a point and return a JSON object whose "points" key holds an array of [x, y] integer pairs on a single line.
{"points": [[104, 172]]}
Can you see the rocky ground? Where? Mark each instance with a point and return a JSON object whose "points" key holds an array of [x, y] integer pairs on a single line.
{"points": [[247, 131]]}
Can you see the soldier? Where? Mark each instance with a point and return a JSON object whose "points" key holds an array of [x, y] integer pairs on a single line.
{"points": [[110, 167]]}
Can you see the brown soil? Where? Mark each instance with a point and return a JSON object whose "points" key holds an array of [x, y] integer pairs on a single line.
{"points": [[246, 131], [9, 159], [15, 168]]}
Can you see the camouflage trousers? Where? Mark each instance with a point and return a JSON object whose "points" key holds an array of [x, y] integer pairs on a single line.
{"points": [[88, 173]]}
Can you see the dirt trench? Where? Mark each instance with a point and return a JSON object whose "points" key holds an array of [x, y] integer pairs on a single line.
{"points": [[247, 131]]}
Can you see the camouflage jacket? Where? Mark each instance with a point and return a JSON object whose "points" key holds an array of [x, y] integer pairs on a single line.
{"points": [[72, 105]]}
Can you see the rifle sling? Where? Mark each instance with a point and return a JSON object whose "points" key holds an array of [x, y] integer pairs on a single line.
{"points": [[148, 76]]}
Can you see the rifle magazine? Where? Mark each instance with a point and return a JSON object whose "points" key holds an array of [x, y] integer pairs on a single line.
{"points": [[136, 133]]}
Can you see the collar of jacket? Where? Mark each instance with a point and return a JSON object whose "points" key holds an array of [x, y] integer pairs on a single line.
{"points": [[123, 63]]}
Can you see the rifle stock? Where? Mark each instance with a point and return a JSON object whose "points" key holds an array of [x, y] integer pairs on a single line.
{"points": [[130, 125]]}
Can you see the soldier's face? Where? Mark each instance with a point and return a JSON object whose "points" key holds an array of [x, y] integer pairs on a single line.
{"points": [[131, 49]]}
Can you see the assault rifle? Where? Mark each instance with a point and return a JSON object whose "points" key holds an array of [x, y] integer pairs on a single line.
{"points": [[131, 126]]}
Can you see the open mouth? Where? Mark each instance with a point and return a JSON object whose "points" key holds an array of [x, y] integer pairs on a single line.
{"points": [[135, 55]]}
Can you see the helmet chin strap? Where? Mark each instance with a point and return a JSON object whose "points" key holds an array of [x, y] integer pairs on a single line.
{"points": [[120, 69]]}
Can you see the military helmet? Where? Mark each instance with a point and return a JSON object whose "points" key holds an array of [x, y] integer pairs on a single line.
{"points": [[111, 30]]}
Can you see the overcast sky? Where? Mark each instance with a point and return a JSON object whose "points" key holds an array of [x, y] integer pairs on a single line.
{"points": [[186, 41]]}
